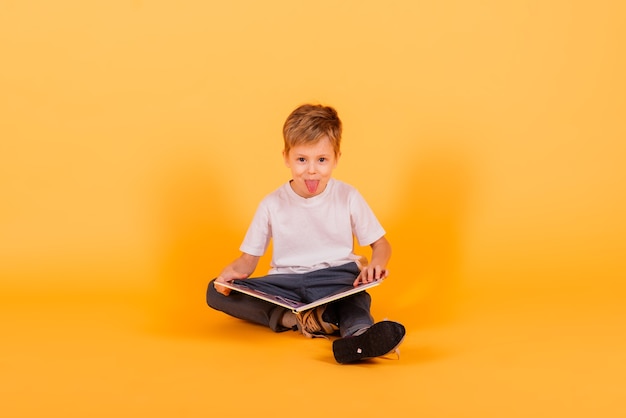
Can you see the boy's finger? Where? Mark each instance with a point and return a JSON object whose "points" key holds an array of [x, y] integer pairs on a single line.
{"points": [[377, 272], [221, 289]]}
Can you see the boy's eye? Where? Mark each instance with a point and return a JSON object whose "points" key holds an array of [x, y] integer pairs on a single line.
{"points": [[322, 159], [301, 159]]}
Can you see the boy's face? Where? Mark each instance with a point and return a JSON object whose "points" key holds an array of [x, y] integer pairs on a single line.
{"points": [[311, 166]]}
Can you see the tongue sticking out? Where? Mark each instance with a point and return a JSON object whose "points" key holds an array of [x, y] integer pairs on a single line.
{"points": [[311, 185]]}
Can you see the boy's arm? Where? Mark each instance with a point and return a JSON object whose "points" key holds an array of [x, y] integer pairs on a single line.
{"points": [[241, 268], [377, 268]]}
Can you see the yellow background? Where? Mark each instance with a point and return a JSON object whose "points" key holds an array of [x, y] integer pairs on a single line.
{"points": [[137, 138]]}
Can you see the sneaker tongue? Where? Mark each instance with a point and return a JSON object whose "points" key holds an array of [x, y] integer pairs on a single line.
{"points": [[311, 185]]}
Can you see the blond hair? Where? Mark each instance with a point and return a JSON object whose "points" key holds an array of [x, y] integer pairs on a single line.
{"points": [[309, 123]]}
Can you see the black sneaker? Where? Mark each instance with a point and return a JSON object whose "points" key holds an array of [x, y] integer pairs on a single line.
{"points": [[378, 340]]}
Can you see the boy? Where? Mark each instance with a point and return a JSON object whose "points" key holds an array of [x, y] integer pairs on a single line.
{"points": [[312, 220]]}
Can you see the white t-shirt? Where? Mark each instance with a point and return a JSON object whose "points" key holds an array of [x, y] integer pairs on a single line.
{"points": [[313, 233]]}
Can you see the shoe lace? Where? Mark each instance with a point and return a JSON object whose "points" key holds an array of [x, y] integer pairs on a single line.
{"points": [[311, 324], [390, 355]]}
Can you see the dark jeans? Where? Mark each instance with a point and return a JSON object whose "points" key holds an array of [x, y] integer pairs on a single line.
{"points": [[350, 313]]}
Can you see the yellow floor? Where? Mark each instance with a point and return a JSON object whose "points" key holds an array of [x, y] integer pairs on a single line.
{"points": [[520, 354], [138, 136]]}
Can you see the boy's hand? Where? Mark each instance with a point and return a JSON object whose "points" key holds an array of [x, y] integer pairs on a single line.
{"points": [[370, 273], [225, 277]]}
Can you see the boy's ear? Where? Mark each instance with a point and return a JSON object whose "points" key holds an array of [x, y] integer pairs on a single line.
{"points": [[286, 158]]}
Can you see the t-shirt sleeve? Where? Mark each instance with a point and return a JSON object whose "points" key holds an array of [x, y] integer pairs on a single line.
{"points": [[259, 232], [365, 226]]}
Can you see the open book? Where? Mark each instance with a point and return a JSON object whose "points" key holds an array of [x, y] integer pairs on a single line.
{"points": [[294, 305]]}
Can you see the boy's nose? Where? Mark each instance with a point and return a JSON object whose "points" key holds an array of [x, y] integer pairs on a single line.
{"points": [[311, 168]]}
